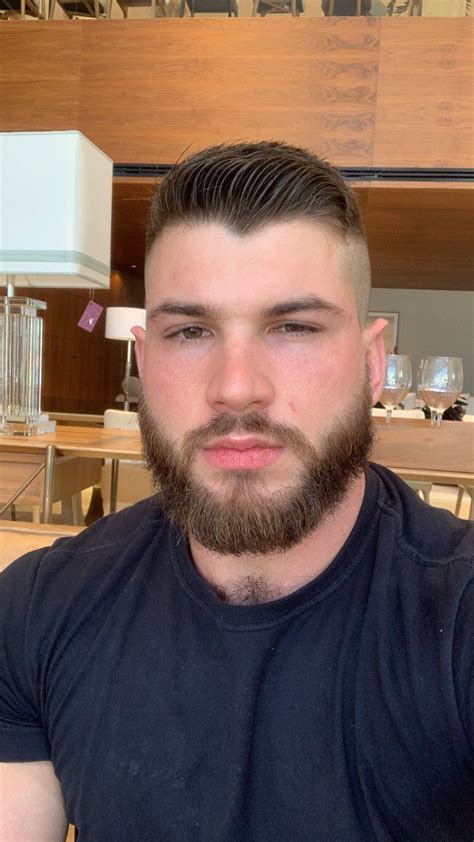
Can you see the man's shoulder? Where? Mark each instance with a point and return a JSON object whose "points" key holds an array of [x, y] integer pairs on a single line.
{"points": [[143, 519], [429, 536], [115, 542]]}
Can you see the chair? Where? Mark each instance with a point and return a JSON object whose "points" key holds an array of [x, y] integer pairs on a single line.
{"points": [[469, 489], [415, 8], [83, 8], [346, 8], [423, 488], [134, 481], [271, 7], [210, 7], [159, 8], [15, 8]]}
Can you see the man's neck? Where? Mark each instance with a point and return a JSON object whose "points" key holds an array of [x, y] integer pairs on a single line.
{"points": [[254, 579]]}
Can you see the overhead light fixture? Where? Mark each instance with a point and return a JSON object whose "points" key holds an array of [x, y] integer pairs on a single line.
{"points": [[118, 324], [55, 212]]}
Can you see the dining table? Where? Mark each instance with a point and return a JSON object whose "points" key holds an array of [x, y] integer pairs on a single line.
{"points": [[411, 448], [415, 449], [79, 442]]}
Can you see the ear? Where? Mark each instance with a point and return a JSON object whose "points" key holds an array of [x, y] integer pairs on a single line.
{"points": [[139, 335], [375, 356]]}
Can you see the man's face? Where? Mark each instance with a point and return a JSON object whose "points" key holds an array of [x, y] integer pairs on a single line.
{"points": [[253, 368]]}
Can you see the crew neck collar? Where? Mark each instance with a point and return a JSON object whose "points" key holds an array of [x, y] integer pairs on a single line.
{"points": [[270, 613]]}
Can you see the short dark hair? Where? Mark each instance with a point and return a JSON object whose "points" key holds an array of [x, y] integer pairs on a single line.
{"points": [[246, 186]]}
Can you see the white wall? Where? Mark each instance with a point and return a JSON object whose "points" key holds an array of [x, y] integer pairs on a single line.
{"points": [[432, 323]]}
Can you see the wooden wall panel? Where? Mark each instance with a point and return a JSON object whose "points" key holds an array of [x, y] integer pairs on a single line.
{"points": [[150, 90], [425, 98], [421, 238], [40, 65], [360, 91], [200, 82], [130, 210]]}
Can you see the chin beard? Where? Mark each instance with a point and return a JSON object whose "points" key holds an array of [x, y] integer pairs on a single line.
{"points": [[242, 517]]}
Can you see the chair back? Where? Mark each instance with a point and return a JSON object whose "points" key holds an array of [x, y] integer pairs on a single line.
{"points": [[344, 7], [119, 419], [134, 481]]}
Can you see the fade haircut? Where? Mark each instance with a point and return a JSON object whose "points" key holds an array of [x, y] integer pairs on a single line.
{"points": [[246, 186]]}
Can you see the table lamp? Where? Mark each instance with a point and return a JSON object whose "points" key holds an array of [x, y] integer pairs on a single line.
{"points": [[55, 230], [118, 321]]}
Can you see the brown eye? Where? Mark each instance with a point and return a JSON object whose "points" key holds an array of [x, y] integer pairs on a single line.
{"points": [[191, 332]]}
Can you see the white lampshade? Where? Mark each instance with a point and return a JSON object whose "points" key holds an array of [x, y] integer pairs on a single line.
{"points": [[119, 320], [55, 210]]}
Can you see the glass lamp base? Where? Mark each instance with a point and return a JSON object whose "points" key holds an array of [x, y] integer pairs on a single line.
{"points": [[36, 426]]}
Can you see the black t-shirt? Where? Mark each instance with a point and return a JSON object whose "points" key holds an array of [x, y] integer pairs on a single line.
{"points": [[341, 713]]}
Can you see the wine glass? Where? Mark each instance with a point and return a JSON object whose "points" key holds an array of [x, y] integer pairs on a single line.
{"points": [[397, 382], [440, 384]]}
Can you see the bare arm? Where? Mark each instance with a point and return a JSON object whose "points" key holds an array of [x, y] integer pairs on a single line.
{"points": [[31, 803]]}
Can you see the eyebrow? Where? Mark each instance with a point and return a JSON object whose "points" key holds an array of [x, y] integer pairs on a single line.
{"points": [[173, 307], [307, 303]]}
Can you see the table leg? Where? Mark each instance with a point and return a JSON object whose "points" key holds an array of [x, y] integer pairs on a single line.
{"points": [[11, 501], [114, 485], [48, 484]]}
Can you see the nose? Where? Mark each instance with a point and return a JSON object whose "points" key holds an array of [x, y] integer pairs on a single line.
{"points": [[238, 380]]}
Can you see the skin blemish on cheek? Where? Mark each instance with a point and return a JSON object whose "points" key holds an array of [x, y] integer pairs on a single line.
{"points": [[292, 407]]}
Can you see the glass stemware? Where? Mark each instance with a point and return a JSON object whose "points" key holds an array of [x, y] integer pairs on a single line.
{"points": [[397, 382], [440, 384]]}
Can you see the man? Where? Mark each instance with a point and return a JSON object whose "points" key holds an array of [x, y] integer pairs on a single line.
{"points": [[279, 647]]}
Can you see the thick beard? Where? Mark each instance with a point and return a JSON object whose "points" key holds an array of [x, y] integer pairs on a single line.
{"points": [[242, 518]]}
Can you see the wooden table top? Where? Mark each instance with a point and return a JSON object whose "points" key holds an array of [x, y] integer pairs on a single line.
{"points": [[412, 445], [415, 446], [80, 441]]}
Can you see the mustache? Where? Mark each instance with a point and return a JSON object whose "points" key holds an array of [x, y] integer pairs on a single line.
{"points": [[249, 422]]}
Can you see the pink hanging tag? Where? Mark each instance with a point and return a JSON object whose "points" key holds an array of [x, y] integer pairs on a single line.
{"points": [[90, 316]]}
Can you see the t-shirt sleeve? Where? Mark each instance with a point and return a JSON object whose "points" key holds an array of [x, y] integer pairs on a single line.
{"points": [[463, 661], [22, 733]]}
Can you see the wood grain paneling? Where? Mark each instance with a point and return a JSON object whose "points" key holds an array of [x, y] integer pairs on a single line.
{"points": [[421, 238], [130, 209], [389, 92], [151, 90], [201, 82], [425, 98], [40, 67]]}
